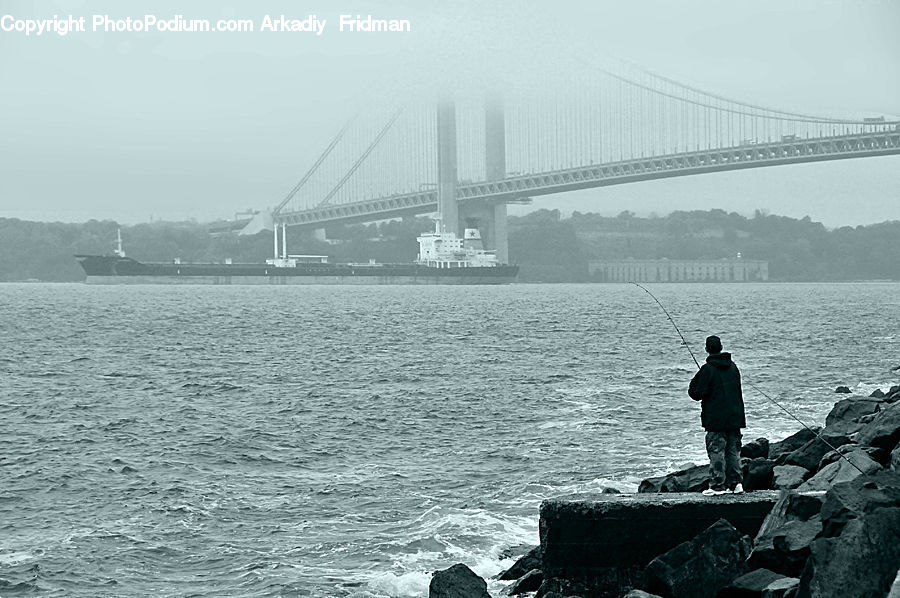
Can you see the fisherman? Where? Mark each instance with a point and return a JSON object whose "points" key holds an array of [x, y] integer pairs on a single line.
{"points": [[718, 387]]}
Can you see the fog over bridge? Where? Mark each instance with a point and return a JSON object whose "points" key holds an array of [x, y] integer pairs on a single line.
{"points": [[469, 157]]}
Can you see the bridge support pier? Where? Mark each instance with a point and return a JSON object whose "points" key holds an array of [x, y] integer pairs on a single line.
{"points": [[500, 240], [490, 219]]}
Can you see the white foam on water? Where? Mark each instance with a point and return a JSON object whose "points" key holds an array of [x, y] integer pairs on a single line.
{"points": [[486, 565], [594, 486], [16, 557], [556, 425], [867, 388], [576, 405], [473, 537], [411, 584]]}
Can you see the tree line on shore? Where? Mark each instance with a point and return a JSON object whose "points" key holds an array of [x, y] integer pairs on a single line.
{"points": [[547, 246], [796, 249]]}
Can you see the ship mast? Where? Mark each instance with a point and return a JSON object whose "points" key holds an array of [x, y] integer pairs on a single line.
{"points": [[275, 233], [283, 253], [119, 251], [439, 221]]}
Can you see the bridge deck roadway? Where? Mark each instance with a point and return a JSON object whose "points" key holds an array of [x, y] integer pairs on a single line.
{"points": [[796, 151]]}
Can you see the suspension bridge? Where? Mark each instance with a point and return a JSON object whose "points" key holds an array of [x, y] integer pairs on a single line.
{"points": [[469, 158]]}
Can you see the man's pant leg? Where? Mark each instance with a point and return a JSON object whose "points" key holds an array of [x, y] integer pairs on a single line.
{"points": [[715, 449], [733, 473]]}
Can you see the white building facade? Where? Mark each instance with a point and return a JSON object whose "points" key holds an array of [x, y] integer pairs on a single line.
{"points": [[665, 270]]}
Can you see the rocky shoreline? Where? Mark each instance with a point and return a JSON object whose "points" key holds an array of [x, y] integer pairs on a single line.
{"points": [[834, 530]]}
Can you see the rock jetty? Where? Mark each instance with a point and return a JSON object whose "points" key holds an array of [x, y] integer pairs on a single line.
{"points": [[820, 518]]}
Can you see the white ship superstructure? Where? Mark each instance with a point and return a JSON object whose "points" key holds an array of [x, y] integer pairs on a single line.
{"points": [[443, 249]]}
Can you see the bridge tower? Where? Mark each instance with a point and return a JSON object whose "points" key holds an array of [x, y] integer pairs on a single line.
{"points": [[447, 168], [495, 170], [491, 214]]}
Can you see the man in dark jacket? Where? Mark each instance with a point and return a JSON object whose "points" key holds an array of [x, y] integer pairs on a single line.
{"points": [[718, 387]]}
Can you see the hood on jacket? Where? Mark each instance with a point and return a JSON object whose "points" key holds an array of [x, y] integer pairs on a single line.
{"points": [[720, 360]]}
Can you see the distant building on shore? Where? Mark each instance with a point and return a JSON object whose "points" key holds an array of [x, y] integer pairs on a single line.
{"points": [[665, 270]]}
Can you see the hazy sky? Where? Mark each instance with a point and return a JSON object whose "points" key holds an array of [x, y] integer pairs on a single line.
{"points": [[177, 125]]}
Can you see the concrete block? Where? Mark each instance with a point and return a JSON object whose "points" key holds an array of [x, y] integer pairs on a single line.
{"points": [[590, 537]]}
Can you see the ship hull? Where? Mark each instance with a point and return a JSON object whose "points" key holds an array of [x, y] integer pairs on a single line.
{"points": [[123, 270]]}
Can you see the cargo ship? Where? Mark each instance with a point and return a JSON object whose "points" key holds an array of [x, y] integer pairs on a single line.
{"points": [[443, 258]]}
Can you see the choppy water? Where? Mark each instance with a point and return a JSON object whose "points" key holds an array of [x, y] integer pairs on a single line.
{"points": [[329, 441]]}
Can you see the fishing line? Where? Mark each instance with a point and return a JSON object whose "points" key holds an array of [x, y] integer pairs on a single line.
{"points": [[753, 386], [683, 342]]}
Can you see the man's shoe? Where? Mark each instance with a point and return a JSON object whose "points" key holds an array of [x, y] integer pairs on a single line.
{"points": [[739, 489], [711, 492]]}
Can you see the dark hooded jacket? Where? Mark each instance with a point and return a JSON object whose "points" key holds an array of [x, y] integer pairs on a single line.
{"points": [[718, 386]]}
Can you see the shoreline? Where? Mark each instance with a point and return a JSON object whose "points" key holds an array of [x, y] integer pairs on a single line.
{"points": [[803, 542]]}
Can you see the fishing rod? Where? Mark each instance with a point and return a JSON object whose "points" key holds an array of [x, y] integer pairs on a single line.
{"points": [[753, 386]]}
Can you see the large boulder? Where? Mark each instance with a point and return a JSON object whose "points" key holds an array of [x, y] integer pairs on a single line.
{"points": [[883, 431], [559, 587], [779, 450], [756, 449], [843, 390], [849, 416], [530, 560], [757, 474], [851, 500], [700, 567], [860, 563], [790, 546], [457, 582], [809, 455], [850, 410], [786, 587], [515, 550], [895, 459], [782, 543], [530, 582], [787, 477], [854, 464], [751, 585], [848, 428], [692, 479], [880, 456]]}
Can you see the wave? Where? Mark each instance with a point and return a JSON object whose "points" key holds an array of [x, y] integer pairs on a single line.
{"points": [[413, 584], [25, 587], [867, 388], [119, 423], [217, 387], [442, 536]]}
